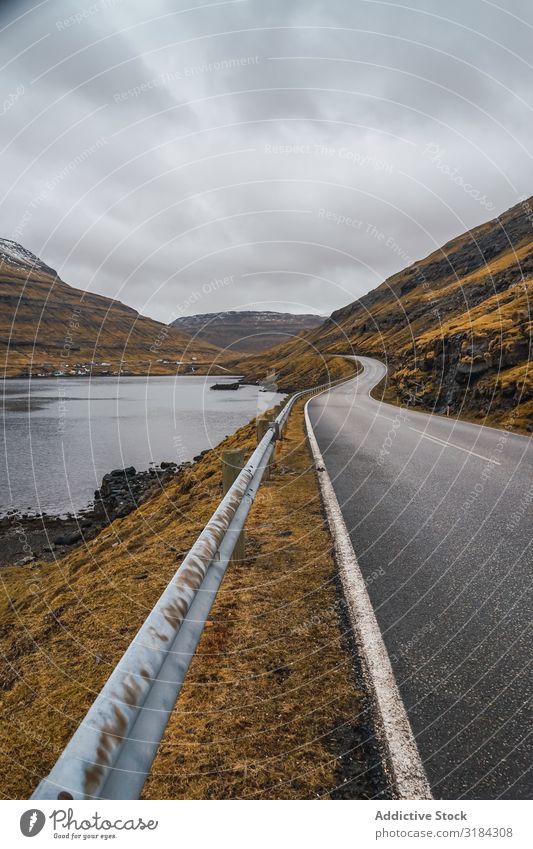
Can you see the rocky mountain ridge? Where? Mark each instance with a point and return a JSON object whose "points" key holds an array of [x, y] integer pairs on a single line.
{"points": [[247, 330]]}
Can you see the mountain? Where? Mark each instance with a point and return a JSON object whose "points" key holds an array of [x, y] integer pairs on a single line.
{"points": [[247, 331], [454, 328], [47, 325], [11, 253]]}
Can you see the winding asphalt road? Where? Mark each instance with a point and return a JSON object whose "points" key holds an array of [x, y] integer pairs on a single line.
{"points": [[439, 512]]}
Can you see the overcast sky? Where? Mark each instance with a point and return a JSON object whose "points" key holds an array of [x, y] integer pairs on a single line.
{"points": [[302, 149]]}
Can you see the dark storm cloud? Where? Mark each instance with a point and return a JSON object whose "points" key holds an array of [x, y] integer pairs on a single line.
{"points": [[308, 149]]}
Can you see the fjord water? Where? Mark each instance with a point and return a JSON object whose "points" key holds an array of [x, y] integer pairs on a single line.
{"points": [[61, 436]]}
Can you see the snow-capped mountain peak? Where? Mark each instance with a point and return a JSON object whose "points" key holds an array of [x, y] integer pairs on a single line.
{"points": [[12, 253]]}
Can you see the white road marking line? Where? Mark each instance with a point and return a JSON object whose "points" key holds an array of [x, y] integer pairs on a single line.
{"points": [[381, 416], [393, 726], [447, 444]]}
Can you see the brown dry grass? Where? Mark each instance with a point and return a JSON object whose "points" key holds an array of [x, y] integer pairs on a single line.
{"points": [[270, 702], [495, 317], [507, 259], [296, 366]]}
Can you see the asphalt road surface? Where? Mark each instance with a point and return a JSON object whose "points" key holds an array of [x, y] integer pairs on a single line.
{"points": [[439, 512]]}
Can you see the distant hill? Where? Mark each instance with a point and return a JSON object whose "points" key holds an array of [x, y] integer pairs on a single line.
{"points": [[247, 331], [47, 325], [454, 328]]}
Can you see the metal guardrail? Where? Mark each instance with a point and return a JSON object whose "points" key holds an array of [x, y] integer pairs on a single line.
{"points": [[111, 753]]}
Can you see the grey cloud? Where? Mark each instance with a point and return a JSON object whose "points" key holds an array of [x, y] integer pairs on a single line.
{"points": [[309, 149]]}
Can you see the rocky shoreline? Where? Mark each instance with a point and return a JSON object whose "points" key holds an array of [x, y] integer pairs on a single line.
{"points": [[25, 538]]}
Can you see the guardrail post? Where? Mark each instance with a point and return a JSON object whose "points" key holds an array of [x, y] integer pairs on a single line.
{"points": [[232, 464], [275, 413], [262, 426]]}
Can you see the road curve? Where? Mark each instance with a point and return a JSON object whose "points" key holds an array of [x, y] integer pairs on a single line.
{"points": [[439, 513]]}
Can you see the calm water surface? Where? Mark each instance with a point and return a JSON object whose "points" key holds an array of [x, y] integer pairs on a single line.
{"points": [[60, 437]]}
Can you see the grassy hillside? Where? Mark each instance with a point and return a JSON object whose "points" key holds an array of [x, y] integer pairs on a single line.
{"points": [[454, 328], [47, 325]]}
